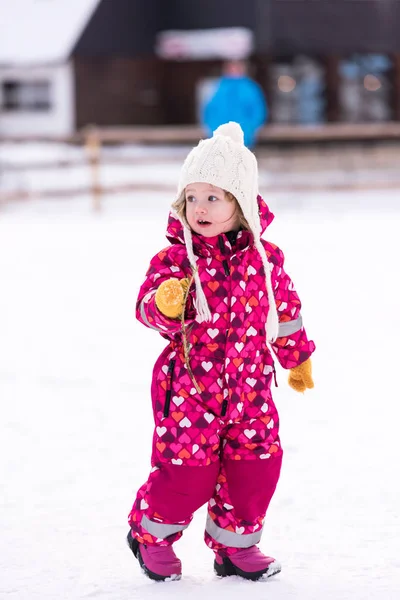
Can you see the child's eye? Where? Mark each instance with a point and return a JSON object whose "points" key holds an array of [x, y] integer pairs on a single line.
{"points": [[190, 199], [212, 198]]}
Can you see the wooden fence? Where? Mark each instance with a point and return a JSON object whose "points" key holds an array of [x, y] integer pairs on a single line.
{"points": [[189, 134], [276, 143]]}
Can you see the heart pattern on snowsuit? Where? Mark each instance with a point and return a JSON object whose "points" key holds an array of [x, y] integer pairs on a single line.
{"points": [[200, 437]]}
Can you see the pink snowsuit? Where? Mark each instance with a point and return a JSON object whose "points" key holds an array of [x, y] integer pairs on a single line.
{"points": [[219, 446]]}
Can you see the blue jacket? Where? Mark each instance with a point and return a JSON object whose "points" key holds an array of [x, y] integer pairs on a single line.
{"points": [[237, 99]]}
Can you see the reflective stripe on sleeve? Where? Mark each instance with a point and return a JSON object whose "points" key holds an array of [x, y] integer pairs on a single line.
{"points": [[231, 539], [160, 530], [146, 298], [288, 327]]}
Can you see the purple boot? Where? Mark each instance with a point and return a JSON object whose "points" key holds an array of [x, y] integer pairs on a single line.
{"points": [[158, 562], [249, 563]]}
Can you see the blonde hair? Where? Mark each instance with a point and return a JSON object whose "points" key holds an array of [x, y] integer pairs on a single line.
{"points": [[179, 207]]}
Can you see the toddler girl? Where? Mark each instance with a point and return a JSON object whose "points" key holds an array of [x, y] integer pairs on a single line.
{"points": [[220, 296]]}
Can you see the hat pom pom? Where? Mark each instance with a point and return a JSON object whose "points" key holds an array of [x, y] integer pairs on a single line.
{"points": [[231, 130]]}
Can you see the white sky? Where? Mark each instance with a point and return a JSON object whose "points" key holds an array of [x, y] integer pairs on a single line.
{"points": [[76, 423], [41, 31]]}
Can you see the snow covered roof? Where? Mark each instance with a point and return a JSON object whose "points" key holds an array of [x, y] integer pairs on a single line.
{"points": [[41, 31]]}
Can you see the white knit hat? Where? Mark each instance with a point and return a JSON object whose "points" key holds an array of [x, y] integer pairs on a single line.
{"points": [[224, 161]]}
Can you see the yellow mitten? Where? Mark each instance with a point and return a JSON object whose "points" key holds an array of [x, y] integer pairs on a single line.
{"points": [[170, 295], [300, 377]]}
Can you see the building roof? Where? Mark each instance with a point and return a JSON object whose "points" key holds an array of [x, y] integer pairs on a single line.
{"points": [[42, 31]]}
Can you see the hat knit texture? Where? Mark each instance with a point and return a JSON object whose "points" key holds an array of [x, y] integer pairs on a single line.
{"points": [[224, 161]]}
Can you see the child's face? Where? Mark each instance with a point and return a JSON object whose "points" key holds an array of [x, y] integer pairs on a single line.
{"points": [[209, 211]]}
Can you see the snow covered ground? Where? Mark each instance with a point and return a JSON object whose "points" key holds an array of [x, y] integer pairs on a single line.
{"points": [[76, 423]]}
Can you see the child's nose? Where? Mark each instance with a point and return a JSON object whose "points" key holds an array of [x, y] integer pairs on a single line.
{"points": [[201, 209]]}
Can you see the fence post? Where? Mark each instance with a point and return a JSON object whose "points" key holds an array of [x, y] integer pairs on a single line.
{"points": [[92, 148]]}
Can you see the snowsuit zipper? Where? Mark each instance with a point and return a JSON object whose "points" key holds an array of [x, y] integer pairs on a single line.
{"points": [[227, 272], [274, 370], [224, 262], [168, 393]]}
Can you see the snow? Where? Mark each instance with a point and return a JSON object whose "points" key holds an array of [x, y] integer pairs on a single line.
{"points": [[41, 31], [76, 423], [140, 164]]}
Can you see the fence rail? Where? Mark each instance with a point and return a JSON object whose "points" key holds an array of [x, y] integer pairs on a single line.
{"points": [[312, 159], [192, 133]]}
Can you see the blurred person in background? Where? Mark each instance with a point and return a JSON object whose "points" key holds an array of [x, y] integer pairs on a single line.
{"points": [[238, 98]]}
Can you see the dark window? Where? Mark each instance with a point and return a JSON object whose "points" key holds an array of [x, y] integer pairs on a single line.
{"points": [[26, 95], [365, 88], [297, 91]]}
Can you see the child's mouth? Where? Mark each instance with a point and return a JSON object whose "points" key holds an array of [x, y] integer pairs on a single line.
{"points": [[203, 223]]}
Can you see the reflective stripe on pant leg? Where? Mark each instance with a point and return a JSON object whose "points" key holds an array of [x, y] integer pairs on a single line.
{"points": [[160, 530], [237, 509], [165, 504], [231, 539], [175, 493]]}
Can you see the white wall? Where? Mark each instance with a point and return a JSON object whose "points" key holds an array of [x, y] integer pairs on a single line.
{"points": [[59, 120]]}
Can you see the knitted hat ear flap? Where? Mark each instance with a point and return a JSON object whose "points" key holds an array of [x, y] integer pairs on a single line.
{"points": [[272, 317], [201, 305]]}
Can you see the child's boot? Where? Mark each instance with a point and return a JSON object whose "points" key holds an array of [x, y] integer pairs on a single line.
{"points": [[158, 562], [249, 563]]}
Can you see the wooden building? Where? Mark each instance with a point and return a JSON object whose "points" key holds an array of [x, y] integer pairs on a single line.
{"points": [[37, 76], [347, 51], [64, 65]]}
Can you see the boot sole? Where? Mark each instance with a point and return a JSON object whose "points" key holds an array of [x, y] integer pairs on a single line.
{"points": [[227, 569], [135, 547]]}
